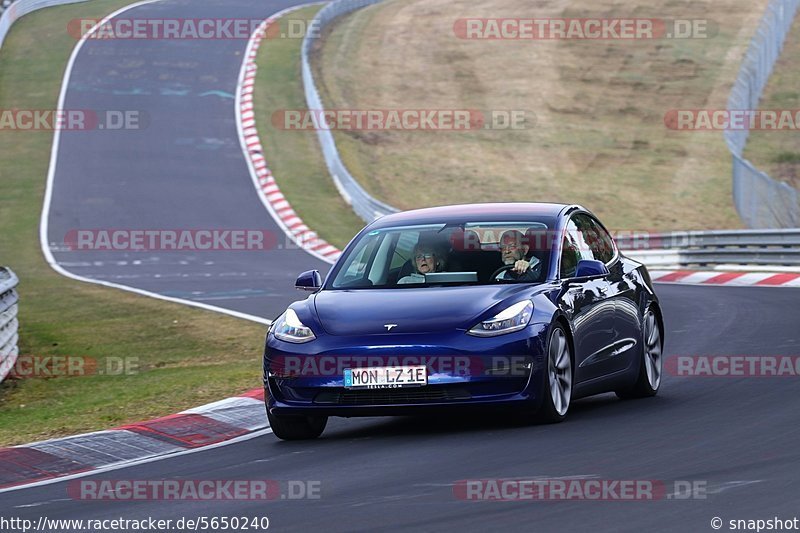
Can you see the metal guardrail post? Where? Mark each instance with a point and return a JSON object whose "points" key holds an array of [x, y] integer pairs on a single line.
{"points": [[22, 7], [780, 247], [9, 325]]}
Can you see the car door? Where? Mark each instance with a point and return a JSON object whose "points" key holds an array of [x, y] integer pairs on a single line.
{"points": [[590, 305], [621, 290]]}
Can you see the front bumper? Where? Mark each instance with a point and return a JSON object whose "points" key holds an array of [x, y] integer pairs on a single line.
{"points": [[464, 372]]}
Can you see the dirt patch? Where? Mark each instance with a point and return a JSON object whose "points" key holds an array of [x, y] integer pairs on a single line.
{"points": [[599, 137]]}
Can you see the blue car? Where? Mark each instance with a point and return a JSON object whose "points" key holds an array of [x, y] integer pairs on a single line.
{"points": [[518, 307]]}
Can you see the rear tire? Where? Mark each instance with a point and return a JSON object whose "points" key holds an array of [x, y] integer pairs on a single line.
{"points": [[652, 364], [557, 380], [297, 427]]}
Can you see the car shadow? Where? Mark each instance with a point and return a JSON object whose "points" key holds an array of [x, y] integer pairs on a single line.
{"points": [[597, 410]]}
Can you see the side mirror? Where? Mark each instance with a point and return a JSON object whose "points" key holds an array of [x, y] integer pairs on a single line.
{"points": [[309, 280], [589, 268]]}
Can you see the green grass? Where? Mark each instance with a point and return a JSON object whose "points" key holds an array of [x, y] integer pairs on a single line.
{"points": [[294, 156], [786, 157], [187, 356]]}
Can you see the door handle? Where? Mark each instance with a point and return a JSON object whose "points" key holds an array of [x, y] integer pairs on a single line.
{"points": [[602, 290]]}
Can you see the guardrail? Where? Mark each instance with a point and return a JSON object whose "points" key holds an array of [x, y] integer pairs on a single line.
{"points": [[22, 7], [364, 205], [780, 247], [761, 201], [9, 324]]}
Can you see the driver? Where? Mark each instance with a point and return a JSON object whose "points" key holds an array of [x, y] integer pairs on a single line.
{"points": [[513, 250]]}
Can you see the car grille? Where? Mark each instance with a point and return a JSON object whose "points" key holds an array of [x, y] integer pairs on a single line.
{"points": [[392, 396]]}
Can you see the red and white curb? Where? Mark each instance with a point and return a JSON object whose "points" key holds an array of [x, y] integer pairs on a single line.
{"points": [[272, 197], [198, 428], [201, 428], [714, 277]]}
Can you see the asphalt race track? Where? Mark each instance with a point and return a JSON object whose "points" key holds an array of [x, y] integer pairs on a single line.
{"points": [[737, 437], [183, 170]]}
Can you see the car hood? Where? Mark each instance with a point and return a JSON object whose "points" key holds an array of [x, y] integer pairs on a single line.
{"points": [[422, 310]]}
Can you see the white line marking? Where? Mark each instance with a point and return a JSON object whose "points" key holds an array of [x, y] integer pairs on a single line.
{"points": [[37, 504], [48, 195], [43, 231], [137, 462]]}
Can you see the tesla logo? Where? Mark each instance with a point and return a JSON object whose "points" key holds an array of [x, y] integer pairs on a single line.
{"points": [[389, 326]]}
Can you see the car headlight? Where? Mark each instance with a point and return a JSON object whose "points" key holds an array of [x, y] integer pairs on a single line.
{"points": [[511, 319], [289, 328]]}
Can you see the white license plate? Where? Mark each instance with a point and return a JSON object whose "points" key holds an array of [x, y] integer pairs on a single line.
{"points": [[385, 377]]}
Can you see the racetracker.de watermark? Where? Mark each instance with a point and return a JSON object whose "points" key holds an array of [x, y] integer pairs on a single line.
{"points": [[732, 119], [620, 28], [733, 366], [122, 28], [125, 490], [402, 119], [53, 366], [565, 489], [296, 366], [72, 119], [144, 240], [583, 239]]}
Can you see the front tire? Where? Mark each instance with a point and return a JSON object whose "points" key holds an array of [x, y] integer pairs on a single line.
{"points": [[652, 364], [297, 427], [557, 380]]}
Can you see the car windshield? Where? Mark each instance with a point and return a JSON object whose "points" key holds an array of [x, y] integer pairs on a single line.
{"points": [[467, 253]]}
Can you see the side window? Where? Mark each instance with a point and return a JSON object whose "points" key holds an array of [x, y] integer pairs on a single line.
{"points": [[604, 247], [570, 255], [598, 241], [579, 233], [405, 244], [359, 263]]}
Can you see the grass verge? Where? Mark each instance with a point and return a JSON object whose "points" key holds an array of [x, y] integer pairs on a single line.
{"points": [[599, 138], [185, 356]]}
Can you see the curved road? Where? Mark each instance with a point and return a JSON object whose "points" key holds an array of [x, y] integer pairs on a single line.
{"points": [[183, 170], [738, 437]]}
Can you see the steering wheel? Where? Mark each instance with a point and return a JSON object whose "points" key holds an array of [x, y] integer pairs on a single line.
{"points": [[500, 270]]}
